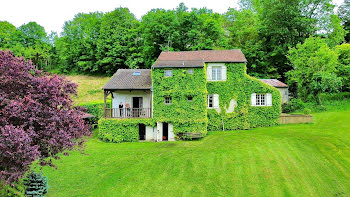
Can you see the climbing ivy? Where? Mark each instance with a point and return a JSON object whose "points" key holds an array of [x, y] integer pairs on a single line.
{"points": [[121, 130], [239, 86], [186, 115], [192, 116]]}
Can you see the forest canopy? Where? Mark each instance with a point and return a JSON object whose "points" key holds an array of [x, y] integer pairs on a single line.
{"points": [[101, 43]]}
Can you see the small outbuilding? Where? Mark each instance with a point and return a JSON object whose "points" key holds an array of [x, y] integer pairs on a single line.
{"points": [[282, 87]]}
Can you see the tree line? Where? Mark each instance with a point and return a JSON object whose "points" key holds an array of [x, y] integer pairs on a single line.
{"points": [[101, 43]]}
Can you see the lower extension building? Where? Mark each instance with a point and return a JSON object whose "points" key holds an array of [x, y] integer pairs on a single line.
{"points": [[184, 95]]}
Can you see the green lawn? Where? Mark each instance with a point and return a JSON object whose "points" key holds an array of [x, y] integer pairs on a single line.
{"points": [[287, 160], [89, 87]]}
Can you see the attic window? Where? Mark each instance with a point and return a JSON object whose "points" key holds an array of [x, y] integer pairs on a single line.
{"points": [[136, 73]]}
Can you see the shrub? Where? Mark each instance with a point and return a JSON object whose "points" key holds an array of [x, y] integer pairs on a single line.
{"points": [[37, 119], [293, 105], [307, 111], [94, 108], [36, 185]]}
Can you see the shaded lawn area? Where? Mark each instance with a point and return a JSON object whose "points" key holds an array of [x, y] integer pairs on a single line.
{"points": [[287, 160]]}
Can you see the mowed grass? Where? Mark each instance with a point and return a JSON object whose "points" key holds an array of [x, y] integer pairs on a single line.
{"points": [[287, 160], [89, 87]]}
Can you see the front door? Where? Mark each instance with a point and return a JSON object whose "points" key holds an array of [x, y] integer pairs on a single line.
{"points": [[137, 104], [165, 131], [142, 131]]}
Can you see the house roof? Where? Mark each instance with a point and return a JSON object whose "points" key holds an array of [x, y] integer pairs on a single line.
{"points": [[197, 58], [275, 83], [125, 79]]}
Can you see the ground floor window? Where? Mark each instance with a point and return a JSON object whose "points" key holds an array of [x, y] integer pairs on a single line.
{"points": [[261, 99]]}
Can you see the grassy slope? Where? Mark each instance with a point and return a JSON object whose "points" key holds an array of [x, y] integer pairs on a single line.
{"points": [[287, 160], [89, 87]]}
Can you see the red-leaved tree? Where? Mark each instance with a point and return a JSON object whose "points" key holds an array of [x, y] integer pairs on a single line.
{"points": [[37, 120]]}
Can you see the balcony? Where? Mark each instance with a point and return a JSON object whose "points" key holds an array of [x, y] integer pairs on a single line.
{"points": [[127, 113]]}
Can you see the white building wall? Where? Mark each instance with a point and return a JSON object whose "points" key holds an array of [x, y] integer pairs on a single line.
{"points": [[150, 133], [284, 94], [126, 96], [171, 136]]}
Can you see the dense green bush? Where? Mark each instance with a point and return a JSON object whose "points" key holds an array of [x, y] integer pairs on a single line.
{"points": [[239, 86], [94, 108], [121, 130], [36, 185], [16, 190], [293, 105]]}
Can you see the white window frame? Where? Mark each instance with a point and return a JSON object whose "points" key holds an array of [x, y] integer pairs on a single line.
{"points": [[261, 99], [216, 73], [190, 71], [168, 100], [168, 73]]}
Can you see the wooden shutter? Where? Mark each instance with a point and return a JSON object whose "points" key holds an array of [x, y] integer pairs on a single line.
{"points": [[216, 101], [253, 99], [209, 73], [268, 99], [223, 73]]}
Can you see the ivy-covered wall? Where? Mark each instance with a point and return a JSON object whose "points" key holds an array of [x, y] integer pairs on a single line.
{"points": [[240, 86], [121, 130], [185, 115]]}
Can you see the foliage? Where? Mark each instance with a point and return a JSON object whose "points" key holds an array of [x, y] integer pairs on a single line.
{"points": [[311, 159], [17, 189], [343, 66], [314, 66], [121, 130], [293, 105], [36, 117], [180, 30], [239, 86], [77, 46], [94, 108], [336, 32], [344, 15], [118, 40], [36, 185], [186, 116], [29, 40]]}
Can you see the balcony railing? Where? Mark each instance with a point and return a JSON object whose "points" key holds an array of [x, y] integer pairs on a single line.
{"points": [[127, 113]]}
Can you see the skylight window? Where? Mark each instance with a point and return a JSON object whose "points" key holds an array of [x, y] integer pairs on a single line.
{"points": [[137, 73]]}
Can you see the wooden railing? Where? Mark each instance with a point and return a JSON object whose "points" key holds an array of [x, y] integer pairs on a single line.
{"points": [[127, 113]]}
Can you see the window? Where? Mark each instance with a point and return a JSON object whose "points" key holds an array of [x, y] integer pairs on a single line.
{"points": [[168, 73], [260, 100], [167, 100], [190, 98], [213, 101], [216, 73], [190, 71], [136, 73], [210, 101]]}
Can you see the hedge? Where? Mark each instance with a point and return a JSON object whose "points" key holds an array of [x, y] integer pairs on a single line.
{"points": [[94, 108]]}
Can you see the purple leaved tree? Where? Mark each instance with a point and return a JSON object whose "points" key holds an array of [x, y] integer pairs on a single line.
{"points": [[37, 120]]}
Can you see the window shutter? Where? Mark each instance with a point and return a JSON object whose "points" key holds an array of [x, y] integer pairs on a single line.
{"points": [[223, 73], [253, 99], [209, 73], [268, 99], [216, 101]]}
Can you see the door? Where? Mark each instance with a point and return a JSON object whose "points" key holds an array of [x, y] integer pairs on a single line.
{"points": [[165, 131], [137, 104], [142, 131]]}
